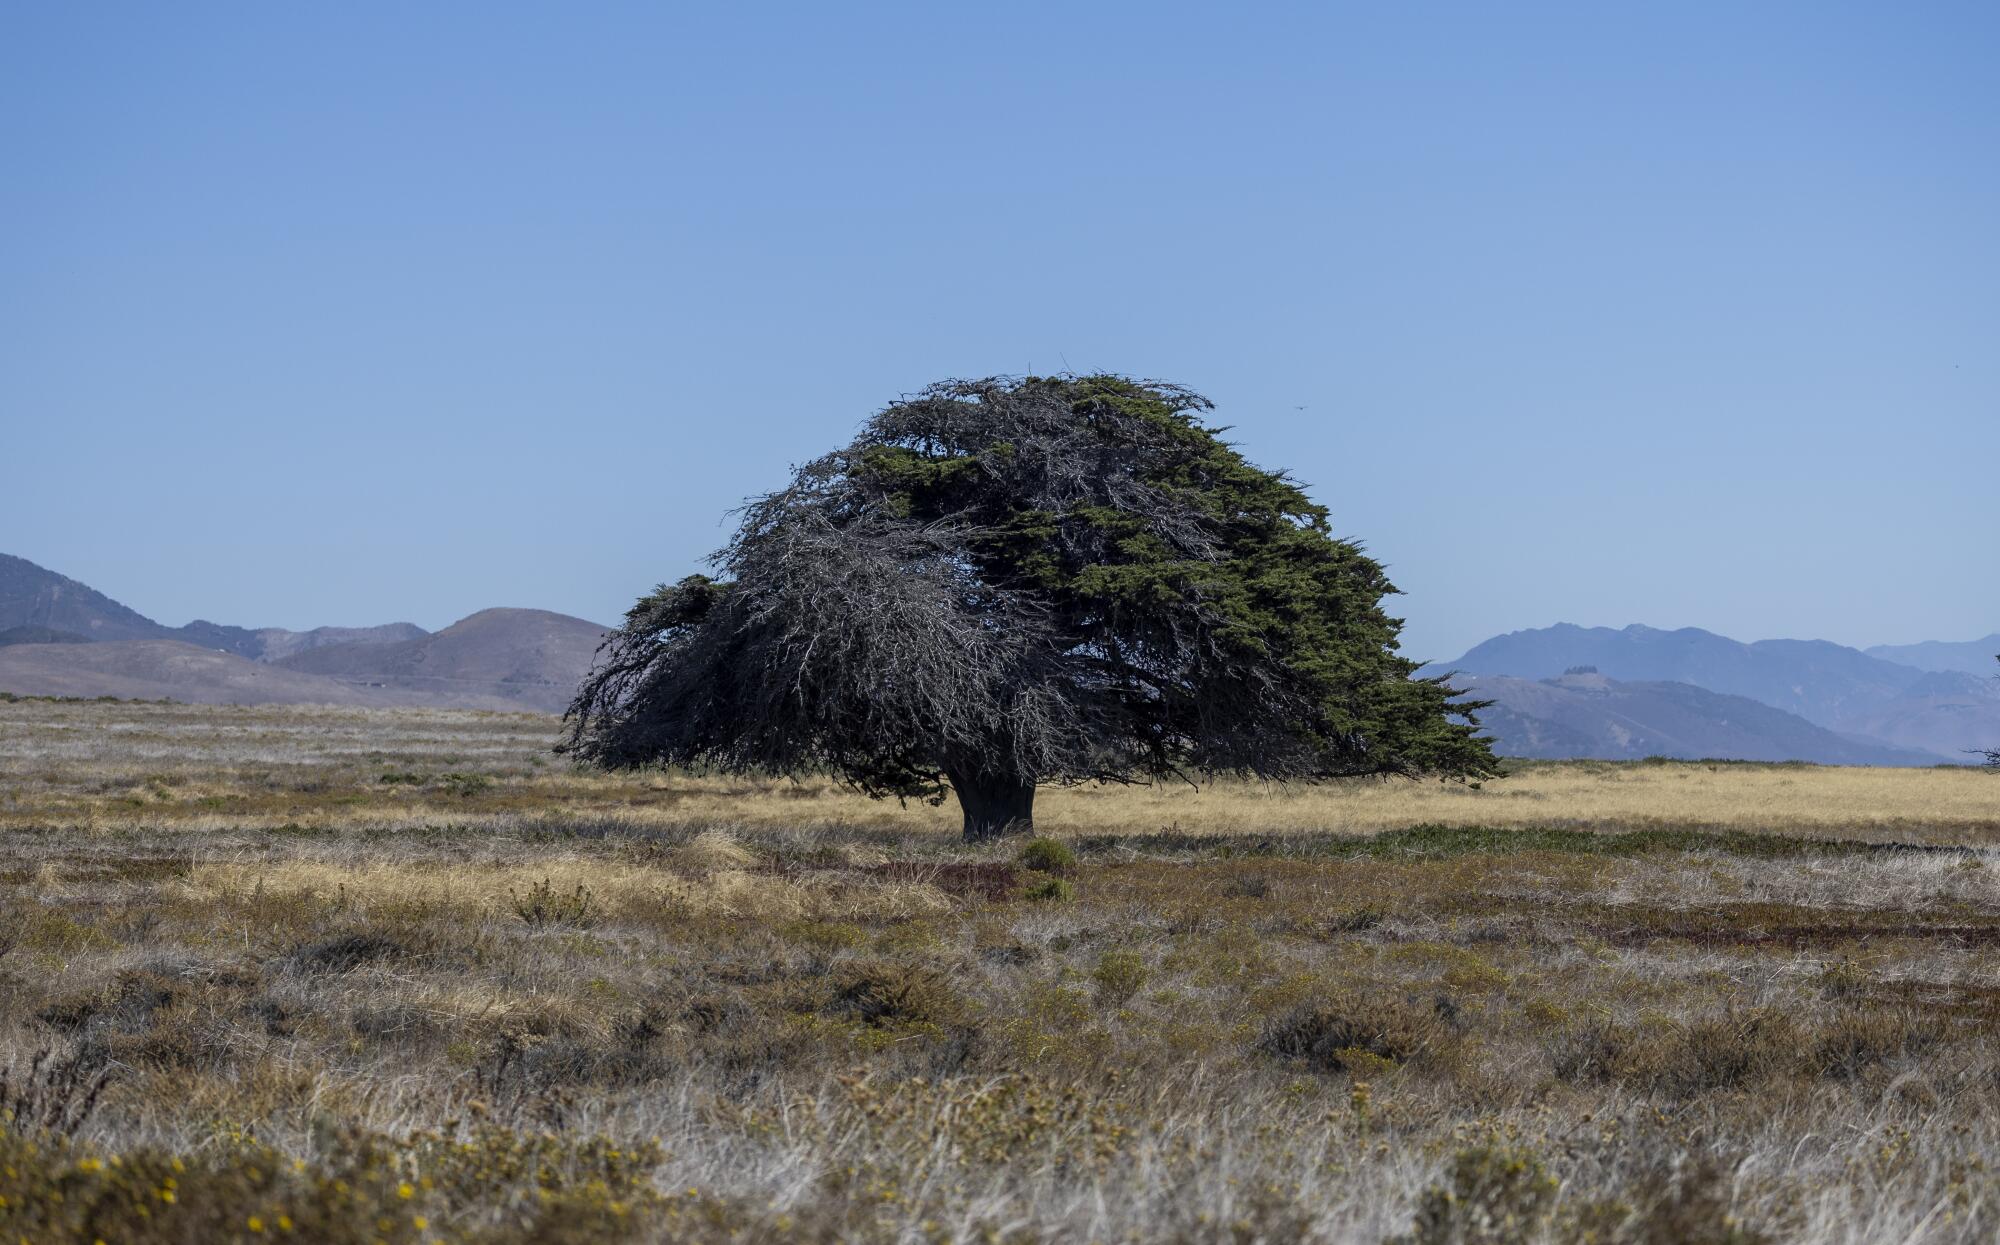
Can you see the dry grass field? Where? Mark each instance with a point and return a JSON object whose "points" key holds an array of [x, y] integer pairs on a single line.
{"points": [[344, 975]]}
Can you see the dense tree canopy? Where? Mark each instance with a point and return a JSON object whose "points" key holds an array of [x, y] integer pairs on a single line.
{"points": [[1002, 583]]}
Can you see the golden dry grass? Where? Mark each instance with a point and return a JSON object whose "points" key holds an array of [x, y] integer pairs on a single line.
{"points": [[202, 769]]}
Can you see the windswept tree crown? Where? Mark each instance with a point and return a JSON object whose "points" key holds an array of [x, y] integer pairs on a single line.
{"points": [[1027, 580]]}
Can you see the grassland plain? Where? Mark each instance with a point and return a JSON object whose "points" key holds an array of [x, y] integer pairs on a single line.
{"points": [[344, 975]]}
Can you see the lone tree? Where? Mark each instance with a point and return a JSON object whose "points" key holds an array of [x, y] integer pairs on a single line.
{"points": [[1010, 582]]}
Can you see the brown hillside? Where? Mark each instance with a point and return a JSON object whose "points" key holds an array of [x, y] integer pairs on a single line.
{"points": [[171, 670], [532, 658]]}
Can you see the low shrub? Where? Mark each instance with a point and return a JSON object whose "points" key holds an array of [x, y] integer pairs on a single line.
{"points": [[1119, 975], [1048, 856], [345, 952], [1662, 1206], [1490, 1195], [55, 1094], [464, 785], [1590, 1052], [1247, 886], [1724, 1052], [888, 994], [544, 905], [1335, 1036], [1856, 1040]]}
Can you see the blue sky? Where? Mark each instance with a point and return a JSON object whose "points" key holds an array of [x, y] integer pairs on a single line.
{"points": [[351, 313]]}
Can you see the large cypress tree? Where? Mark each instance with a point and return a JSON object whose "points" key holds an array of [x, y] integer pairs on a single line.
{"points": [[1004, 583]]}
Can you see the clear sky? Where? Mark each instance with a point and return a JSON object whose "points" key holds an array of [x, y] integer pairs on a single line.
{"points": [[361, 312]]}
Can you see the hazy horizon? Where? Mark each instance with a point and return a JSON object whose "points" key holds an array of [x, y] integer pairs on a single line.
{"points": [[316, 317]]}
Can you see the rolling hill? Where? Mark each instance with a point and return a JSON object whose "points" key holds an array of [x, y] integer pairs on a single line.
{"points": [[533, 658], [59, 637], [174, 670]]}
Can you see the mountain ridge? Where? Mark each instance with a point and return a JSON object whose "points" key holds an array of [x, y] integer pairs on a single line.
{"points": [[34, 596], [1968, 656], [1585, 714], [60, 637], [1839, 689]]}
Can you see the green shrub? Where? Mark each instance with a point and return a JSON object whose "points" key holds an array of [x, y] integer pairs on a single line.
{"points": [[1048, 856], [1054, 890], [463, 785], [1119, 975]]}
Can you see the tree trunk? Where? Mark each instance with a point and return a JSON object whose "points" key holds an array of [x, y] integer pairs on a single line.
{"points": [[994, 805]]}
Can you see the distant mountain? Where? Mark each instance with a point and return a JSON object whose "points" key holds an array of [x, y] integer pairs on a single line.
{"points": [[59, 637], [1945, 711], [31, 596], [1822, 682], [531, 657], [1590, 715], [1971, 656], [172, 670], [1840, 689]]}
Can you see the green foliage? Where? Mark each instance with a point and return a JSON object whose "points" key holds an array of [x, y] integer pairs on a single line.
{"points": [[1048, 856], [1014, 581], [464, 785], [1119, 975], [1053, 890], [1290, 600]]}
